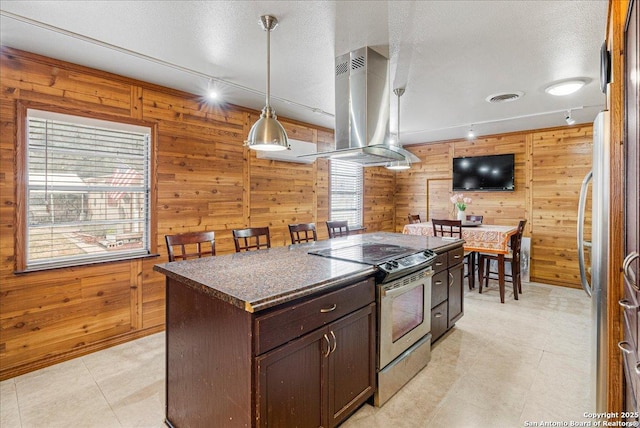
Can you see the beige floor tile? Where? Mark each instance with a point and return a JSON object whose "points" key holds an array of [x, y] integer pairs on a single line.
{"points": [[10, 412], [80, 407], [561, 390], [456, 412], [501, 365]]}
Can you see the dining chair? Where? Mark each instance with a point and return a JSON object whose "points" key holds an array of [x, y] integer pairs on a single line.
{"points": [[444, 227], [453, 228], [337, 228], [473, 255], [202, 243], [414, 218], [249, 238], [513, 258], [303, 232]]}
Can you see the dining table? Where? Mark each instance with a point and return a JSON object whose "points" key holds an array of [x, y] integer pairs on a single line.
{"points": [[478, 238]]}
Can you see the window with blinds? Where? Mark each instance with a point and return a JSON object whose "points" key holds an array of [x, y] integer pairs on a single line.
{"points": [[87, 190], [345, 192]]}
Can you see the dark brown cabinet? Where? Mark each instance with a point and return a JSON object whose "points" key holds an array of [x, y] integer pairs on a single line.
{"points": [[320, 378], [447, 294], [306, 363]]}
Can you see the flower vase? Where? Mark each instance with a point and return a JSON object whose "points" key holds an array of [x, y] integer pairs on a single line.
{"points": [[461, 215]]}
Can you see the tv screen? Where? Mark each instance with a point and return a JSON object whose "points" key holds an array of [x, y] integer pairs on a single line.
{"points": [[477, 173]]}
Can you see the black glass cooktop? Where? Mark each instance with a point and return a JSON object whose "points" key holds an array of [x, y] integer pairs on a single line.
{"points": [[367, 253]]}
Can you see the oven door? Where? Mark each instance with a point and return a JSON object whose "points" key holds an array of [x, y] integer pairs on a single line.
{"points": [[404, 314]]}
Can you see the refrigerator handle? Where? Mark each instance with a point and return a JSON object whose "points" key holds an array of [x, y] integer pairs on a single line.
{"points": [[628, 272], [581, 244]]}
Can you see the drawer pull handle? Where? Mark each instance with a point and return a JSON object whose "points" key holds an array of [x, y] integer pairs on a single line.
{"points": [[439, 263], [329, 309], [457, 256], [452, 279], [326, 354], [438, 315], [335, 343], [438, 282]]}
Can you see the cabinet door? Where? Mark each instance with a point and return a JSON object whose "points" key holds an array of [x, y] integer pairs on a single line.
{"points": [[439, 321], [456, 293], [291, 385], [352, 363]]}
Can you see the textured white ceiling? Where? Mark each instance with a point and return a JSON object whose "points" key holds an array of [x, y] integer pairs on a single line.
{"points": [[450, 55]]}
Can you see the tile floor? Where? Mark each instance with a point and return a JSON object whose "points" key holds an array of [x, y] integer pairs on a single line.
{"points": [[501, 366]]}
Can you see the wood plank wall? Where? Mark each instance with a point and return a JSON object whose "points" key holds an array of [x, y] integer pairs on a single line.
{"points": [[206, 180], [550, 166]]}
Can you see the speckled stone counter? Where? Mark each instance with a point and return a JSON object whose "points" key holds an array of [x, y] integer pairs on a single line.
{"points": [[261, 279]]}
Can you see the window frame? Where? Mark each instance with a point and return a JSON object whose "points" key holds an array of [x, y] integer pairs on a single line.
{"points": [[22, 177], [331, 193]]}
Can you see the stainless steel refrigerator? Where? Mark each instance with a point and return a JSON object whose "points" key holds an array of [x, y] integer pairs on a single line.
{"points": [[594, 278]]}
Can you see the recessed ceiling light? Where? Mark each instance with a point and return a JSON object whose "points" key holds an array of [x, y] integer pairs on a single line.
{"points": [[565, 88]]}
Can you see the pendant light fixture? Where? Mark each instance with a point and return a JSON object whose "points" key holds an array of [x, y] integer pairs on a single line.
{"points": [[267, 134], [401, 164]]}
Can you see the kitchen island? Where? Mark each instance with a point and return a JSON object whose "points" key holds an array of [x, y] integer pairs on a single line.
{"points": [[273, 337]]}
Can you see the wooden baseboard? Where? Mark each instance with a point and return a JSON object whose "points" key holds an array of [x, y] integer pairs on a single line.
{"points": [[9, 372]]}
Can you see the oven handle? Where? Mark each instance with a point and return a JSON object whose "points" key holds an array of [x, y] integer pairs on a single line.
{"points": [[403, 289]]}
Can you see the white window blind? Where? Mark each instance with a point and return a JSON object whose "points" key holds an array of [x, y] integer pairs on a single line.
{"points": [[345, 192], [87, 191]]}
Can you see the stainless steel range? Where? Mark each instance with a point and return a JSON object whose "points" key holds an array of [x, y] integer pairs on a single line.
{"points": [[404, 305]]}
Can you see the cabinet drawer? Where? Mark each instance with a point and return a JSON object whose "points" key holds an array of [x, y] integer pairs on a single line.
{"points": [[279, 327], [455, 256], [440, 263], [439, 320], [439, 288]]}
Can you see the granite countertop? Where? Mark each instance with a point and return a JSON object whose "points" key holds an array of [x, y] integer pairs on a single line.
{"points": [[258, 280]]}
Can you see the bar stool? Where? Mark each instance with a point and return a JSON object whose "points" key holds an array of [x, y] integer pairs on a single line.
{"points": [[186, 240], [249, 238], [338, 228], [302, 232]]}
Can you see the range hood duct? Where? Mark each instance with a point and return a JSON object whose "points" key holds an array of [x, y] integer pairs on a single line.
{"points": [[362, 111]]}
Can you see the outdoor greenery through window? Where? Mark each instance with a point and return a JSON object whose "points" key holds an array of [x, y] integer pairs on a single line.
{"points": [[346, 192], [87, 190]]}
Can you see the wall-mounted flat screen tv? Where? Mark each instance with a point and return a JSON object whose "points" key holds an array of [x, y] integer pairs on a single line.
{"points": [[483, 173]]}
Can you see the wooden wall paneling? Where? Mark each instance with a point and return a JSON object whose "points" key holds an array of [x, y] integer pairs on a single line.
{"points": [[283, 193], [325, 142], [506, 208], [438, 199], [43, 317], [153, 294], [556, 182], [379, 210], [411, 185], [135, 284]]}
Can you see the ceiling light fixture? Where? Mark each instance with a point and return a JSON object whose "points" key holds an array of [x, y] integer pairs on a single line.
{"points": [[267, 134], [212, 94], [471, 135], [569, 119], [565, 87], [401, 164], [135, 54]]}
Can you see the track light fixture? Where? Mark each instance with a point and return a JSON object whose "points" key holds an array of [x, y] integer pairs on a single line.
{"points": [[569, 119], [471, 135]]}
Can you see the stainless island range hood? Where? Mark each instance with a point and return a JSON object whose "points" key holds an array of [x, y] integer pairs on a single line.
{"points": [[362, 111]]}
